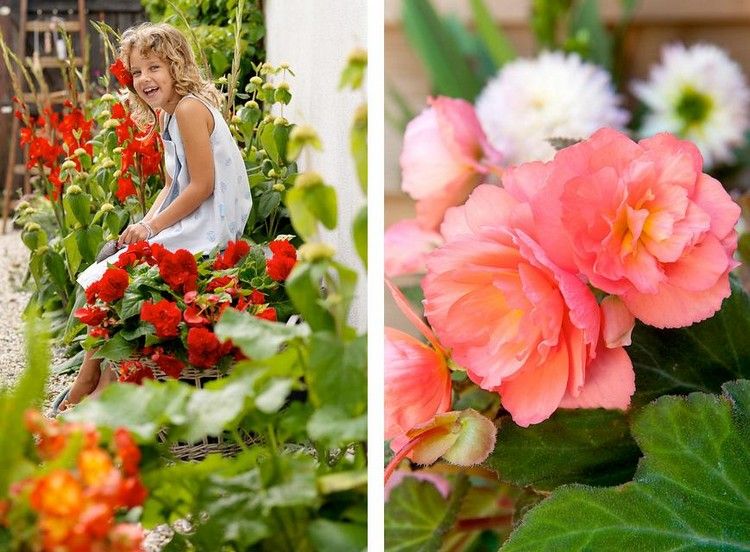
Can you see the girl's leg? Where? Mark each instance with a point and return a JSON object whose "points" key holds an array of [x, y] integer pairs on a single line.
{"points": [[86, 381], [107, 376]]}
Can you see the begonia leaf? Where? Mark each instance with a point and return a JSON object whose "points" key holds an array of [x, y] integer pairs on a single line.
{"points": [[691, 490], [700, 357], [257, 338], [412, 514], [337, 373], [141, 409], [359, 233], [332, 427], [583, 446], [337, 536]]}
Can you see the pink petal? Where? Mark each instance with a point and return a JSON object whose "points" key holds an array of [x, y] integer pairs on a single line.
{"points": [[417, 383], [674, 307], [406, 247], [617, 322], [427, 163], [488, 208], [459, 126], [701, 267], [610, 382], [714, 200], [533, 394], [441, 483], [431, 208]]}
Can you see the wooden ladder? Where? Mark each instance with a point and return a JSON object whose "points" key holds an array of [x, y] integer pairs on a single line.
{"points": [[70, 26]]}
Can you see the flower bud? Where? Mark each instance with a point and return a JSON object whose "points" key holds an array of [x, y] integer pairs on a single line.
{"points": [[118, 150], [267, 86], [280, 121], [308, 179], [117, 173], [221, 80], [68, 164], [107, 97], [236, 119], [80, 151], [23, 205], [74, 189], [358, 56], [104, 114], [463, 438], [279, 187], [267, 119], [272, 173], [106, 207], [111, 123], [107, 163], [31, 227], [256, 80], [313, 252], [284, 65], [252, 104], [284, 86]]}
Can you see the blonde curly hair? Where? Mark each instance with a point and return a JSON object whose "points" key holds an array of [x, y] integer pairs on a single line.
{"points": [[169, 44]]}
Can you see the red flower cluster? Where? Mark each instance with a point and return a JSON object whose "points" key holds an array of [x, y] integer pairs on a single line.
{"points": [[110, 287], [133, 371], [284, 258], [75, 508], [164, 315], [204, 348], [179, 270], [231, 255], [121, 73], [183, 319]]}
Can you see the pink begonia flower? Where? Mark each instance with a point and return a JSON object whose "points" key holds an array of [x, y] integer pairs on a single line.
{"points": [[406, 247], [445, 156], [518, 323], [417, 378], [644, 223], [441, 483]]}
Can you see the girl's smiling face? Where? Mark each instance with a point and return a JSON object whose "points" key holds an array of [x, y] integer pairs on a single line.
{"points": [[152, 81]]}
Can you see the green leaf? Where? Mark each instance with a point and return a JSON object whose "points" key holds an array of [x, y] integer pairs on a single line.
{"points": [[257, 338], [269, 143], [303, 288], [337, 374], [497, 44], [210, 411], [358, 144], [700, 357], [89, 241], [586, 23], [271, 399], [79, 205], [333, 536], [312, 204], [359, 234], [333, 427], [70, 242], [412, 514], [116, 348], [56, 268], [691, 490], [267, 203], [142, 409], [449, 72], [582, 446]]}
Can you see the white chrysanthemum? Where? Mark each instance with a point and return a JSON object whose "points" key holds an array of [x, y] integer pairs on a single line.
{"points": [[699, 94], [552, 96]]}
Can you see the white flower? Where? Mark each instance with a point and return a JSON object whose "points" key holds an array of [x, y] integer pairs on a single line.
{"points": [[553, 96], [699, 94]]}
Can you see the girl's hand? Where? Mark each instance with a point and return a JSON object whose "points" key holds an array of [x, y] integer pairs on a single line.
{"points": [[133, 233]]}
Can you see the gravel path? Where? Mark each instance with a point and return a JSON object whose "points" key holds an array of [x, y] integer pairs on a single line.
{"points": [[14, 257]]}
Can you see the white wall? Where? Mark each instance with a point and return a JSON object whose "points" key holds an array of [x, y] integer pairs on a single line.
{"points": [[315, 37]]}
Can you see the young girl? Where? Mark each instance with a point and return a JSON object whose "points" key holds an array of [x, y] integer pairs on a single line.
{"points": [[206, 200]]}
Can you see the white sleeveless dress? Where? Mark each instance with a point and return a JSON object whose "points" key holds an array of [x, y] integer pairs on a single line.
{"points": [[220, 218]]}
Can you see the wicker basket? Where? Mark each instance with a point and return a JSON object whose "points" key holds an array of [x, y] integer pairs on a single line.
{"points": [[224, 444]]}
